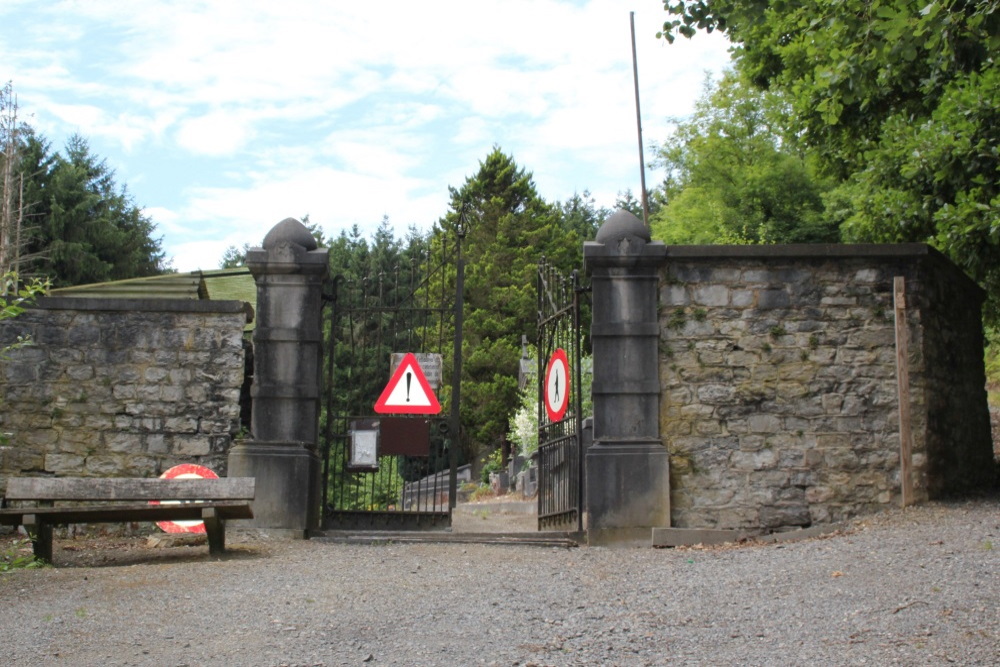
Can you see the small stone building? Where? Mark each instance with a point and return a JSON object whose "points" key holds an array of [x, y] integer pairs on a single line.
{"points": [[778, 372]]}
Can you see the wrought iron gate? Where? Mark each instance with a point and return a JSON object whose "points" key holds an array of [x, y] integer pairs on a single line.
{"points": [[560, 450], [395, 472]]}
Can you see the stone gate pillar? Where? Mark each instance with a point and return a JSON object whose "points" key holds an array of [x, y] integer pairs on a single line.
{"points": [[628, 468], [281, 454]]}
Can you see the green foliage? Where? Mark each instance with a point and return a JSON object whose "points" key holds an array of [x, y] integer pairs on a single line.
{"points": [[678, 318], [992, 363], [85, 227], [482, 492], [15, 295], [64, 216], [897, 100], [524, 420], [507, 228], [18, 556], [937, 181], [582, 217], [732, 176], [491, 464], [234, 257]]}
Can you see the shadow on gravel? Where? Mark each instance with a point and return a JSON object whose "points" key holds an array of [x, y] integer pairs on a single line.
{"points": [[102, 551]]}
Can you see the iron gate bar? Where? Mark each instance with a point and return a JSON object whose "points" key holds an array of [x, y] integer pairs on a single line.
{"points": [[560, 458], [456, 367], [368, 316]]}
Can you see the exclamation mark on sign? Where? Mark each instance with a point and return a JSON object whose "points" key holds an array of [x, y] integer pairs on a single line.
{"points": [[409, 376]]}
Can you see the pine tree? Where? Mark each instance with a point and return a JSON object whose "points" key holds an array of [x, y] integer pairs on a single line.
{"points": [[89, 228], [508, 227]]}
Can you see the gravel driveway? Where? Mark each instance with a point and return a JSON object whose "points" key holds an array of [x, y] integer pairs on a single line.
{"points": [[911, 587]]}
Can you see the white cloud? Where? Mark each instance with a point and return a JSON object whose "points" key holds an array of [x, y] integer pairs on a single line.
{"points": [[216, 133], [231, 115]]}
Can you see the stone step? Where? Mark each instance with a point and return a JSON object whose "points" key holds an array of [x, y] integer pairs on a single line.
{"points": [[500, 516], [552, 539]]}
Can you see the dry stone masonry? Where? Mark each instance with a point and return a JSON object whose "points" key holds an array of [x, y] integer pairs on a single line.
{"points": [[115, 387]]}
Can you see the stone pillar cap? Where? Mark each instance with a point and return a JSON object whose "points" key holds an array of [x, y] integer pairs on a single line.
{"points": [[289, 231], [622, 224]]}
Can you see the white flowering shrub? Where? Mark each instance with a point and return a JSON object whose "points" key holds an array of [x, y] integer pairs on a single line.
{"points": [[523, 425]]}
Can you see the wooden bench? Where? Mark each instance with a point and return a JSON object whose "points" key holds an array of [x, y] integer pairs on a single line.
{"points": [[106, 500]]}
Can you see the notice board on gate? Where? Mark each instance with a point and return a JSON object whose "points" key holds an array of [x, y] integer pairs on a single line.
{"points": [[405, 436]]}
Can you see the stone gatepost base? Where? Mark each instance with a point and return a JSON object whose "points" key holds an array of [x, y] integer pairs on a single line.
{"points": [[287, 487], [628, 492]]}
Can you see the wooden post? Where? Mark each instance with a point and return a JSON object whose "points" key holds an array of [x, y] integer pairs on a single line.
{"points": [[903, 391]]}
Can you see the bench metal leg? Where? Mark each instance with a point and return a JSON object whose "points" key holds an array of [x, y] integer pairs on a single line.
{"points": [[215, 527], [41, 536]]}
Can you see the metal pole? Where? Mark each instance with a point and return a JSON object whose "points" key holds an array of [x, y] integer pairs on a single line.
{"points": [[578, 403], [541, 352], [456, 370], [638, 124], [329, 345]]}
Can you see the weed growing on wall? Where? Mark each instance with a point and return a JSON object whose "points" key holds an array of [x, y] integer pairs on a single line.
{"points": [[14, 298]]}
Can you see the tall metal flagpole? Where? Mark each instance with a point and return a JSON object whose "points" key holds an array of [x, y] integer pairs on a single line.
{"points": [[638, 124]]}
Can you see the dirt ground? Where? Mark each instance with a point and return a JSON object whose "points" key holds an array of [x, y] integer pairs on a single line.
{"points": [[129, 546]]}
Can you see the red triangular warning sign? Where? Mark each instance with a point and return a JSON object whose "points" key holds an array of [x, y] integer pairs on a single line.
{"points": [[408, 392]]}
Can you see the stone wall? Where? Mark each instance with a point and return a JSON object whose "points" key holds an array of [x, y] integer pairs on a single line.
{"points": [[120, 387], [778, 379]]}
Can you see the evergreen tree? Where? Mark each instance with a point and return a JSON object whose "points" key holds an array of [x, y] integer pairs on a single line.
{"points": [[234, 257], [627, 201], [24, 164], [581, 217], [85, 228], [508, 227]]}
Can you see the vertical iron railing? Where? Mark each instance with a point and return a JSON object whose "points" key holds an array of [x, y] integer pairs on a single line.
{"points": [[413, 306], [560, 456]]}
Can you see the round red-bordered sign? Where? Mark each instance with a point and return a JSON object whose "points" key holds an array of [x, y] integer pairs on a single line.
{"points": [[185, 471], [557, 385]]}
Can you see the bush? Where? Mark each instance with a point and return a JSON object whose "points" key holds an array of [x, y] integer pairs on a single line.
{"points": [[524, 422], [492, 463]]}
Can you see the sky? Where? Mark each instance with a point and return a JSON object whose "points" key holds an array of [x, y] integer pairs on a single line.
{"points": [[223, 117]]}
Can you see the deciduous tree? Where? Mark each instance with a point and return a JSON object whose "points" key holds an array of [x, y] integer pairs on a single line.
{"points": [[899, 100], [733, 175]]}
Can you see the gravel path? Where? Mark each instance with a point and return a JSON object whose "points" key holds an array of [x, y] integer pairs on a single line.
{"points": [[911, 587]]}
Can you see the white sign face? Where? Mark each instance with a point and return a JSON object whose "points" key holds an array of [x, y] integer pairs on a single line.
{"points": [[431, 364], [184, 471], [408, 391], [364, 449], [557, 385]]}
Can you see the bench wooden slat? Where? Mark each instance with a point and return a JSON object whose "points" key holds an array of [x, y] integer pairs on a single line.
{"points": [[210, 500], [110, 489], [125, 513]]}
